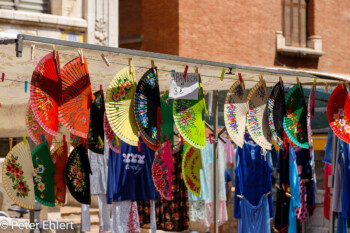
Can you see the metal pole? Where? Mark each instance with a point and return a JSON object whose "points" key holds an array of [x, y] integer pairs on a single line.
{"points": [[215, 132], [331, 182]]}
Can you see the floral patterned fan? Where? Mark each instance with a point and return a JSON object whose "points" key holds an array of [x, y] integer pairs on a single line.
{"points": [[276, 112], [34, 129], [189, 118], [167, 125], [191, 165], [147, 109], [44, 171], [59, 155], [113, 141], [162, 169], [74, 109], [96, 123], [294, 123], [258, 123], [338, 111], [78, 175], [235, 110], [120, 105], [17, 176], [45, 92]]}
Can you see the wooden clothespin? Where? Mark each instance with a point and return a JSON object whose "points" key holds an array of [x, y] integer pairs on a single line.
{"points": [[239, 196], [288, 194], [101, 90], [152, 65], [211, 138], [81, 54], [24, 139], [298, 82], [326, 86], [342, 84], [281, 82], [54, 48], [32, 52], [267, 194], [314, 83], [105, 59], [11, 142], [130, 64], [100, 140], [116, 141], [196, 70], [222, 74], [2, 77], [185, 72]]}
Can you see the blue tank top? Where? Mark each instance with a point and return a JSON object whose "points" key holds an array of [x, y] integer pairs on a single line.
{"points": [[346, 183], [253, 177], [130, 174]]}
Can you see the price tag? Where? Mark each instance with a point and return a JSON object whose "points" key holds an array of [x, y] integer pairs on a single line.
{"points": [[181, 88]]}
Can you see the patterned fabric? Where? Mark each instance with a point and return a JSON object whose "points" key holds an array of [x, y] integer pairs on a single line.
{"points": [[44, 171], [222, 213], [17, 173], [301, 212], [276, 112], [134, 222], [191, 165], [59, 156], [197, 210], [77, 174], [120, 216], [45, 92], [34, 129], [113, 141], [96, 123], [74, 109], [162, 170]]}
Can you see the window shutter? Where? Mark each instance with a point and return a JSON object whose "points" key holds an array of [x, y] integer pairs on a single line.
{"points": [[38, 6], [7, 4]]}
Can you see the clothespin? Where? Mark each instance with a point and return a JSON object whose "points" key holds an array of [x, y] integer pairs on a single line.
{"points": [[185, 72], [222, 74], [152, 65], [101, 90], [44, 139], [239, 196], [288, 195], [139, 146], [166, 137], [342, 84], [116, 140], [281, 83], [130, 64], [54, 48], [3, 77], [315, 79], [24, 138], [105, 59], [298, 82], [11, 142], [326, 86], [81, 54], [100, 140], [196, 70], [25, 86], [267, 194], [261, 78], [32, 52], [182, 140], [240, 77], [211, 138]]}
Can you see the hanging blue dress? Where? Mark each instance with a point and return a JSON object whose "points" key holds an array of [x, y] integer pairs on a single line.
{"points": [[294, 190]]}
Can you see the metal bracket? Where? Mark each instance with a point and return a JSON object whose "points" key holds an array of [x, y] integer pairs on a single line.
{"points": [[19, 46]]}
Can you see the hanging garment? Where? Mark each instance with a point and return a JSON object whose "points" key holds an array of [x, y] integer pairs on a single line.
{"points": [[85, 218], [328, 147], [230, 151], [254, 218], [222, 213], [120, 216], [327, 199], [134, 222], [346, 183], [153, 225], [44, 171], [294, 191], [342, 224], [130, 175], [99, 169], [338, 177], [253, 173]]}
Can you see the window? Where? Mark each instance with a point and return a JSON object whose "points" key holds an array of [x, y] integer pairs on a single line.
{"points": [[38, 6], [294, 22]]}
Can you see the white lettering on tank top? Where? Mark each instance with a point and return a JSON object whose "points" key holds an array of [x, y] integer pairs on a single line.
{"points": [[133, 162]]}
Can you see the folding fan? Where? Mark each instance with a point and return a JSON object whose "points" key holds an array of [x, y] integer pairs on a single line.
{"points": [[44, 171], [257, 119], [276, 112], [338, 111], [147, 108], [162, 169], [311, 112], [96, 123], [78, 175], [45, 92], [294, 123], [17, 176], [113, 142], [76, 140], [59, 155], [74, 109], [191, 165], [235, 112], [167, 125], [120, 105], [34, 129], [189, 119]]}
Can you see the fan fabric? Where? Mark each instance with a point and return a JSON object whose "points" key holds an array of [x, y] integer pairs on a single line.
{"points": [[96, 123], [78, 175], [45, 92], [235, 112], [44, 171], [167, 125], [74, 110], [147, 108], [276, 112], [76, 140], [338, 110], [257, 119], [17, 176], [191, 165], [189, 119], [311, 112], [162, 169], [34, 129], [59, 155], [113, 144], [120, 105], [294, 123]]}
